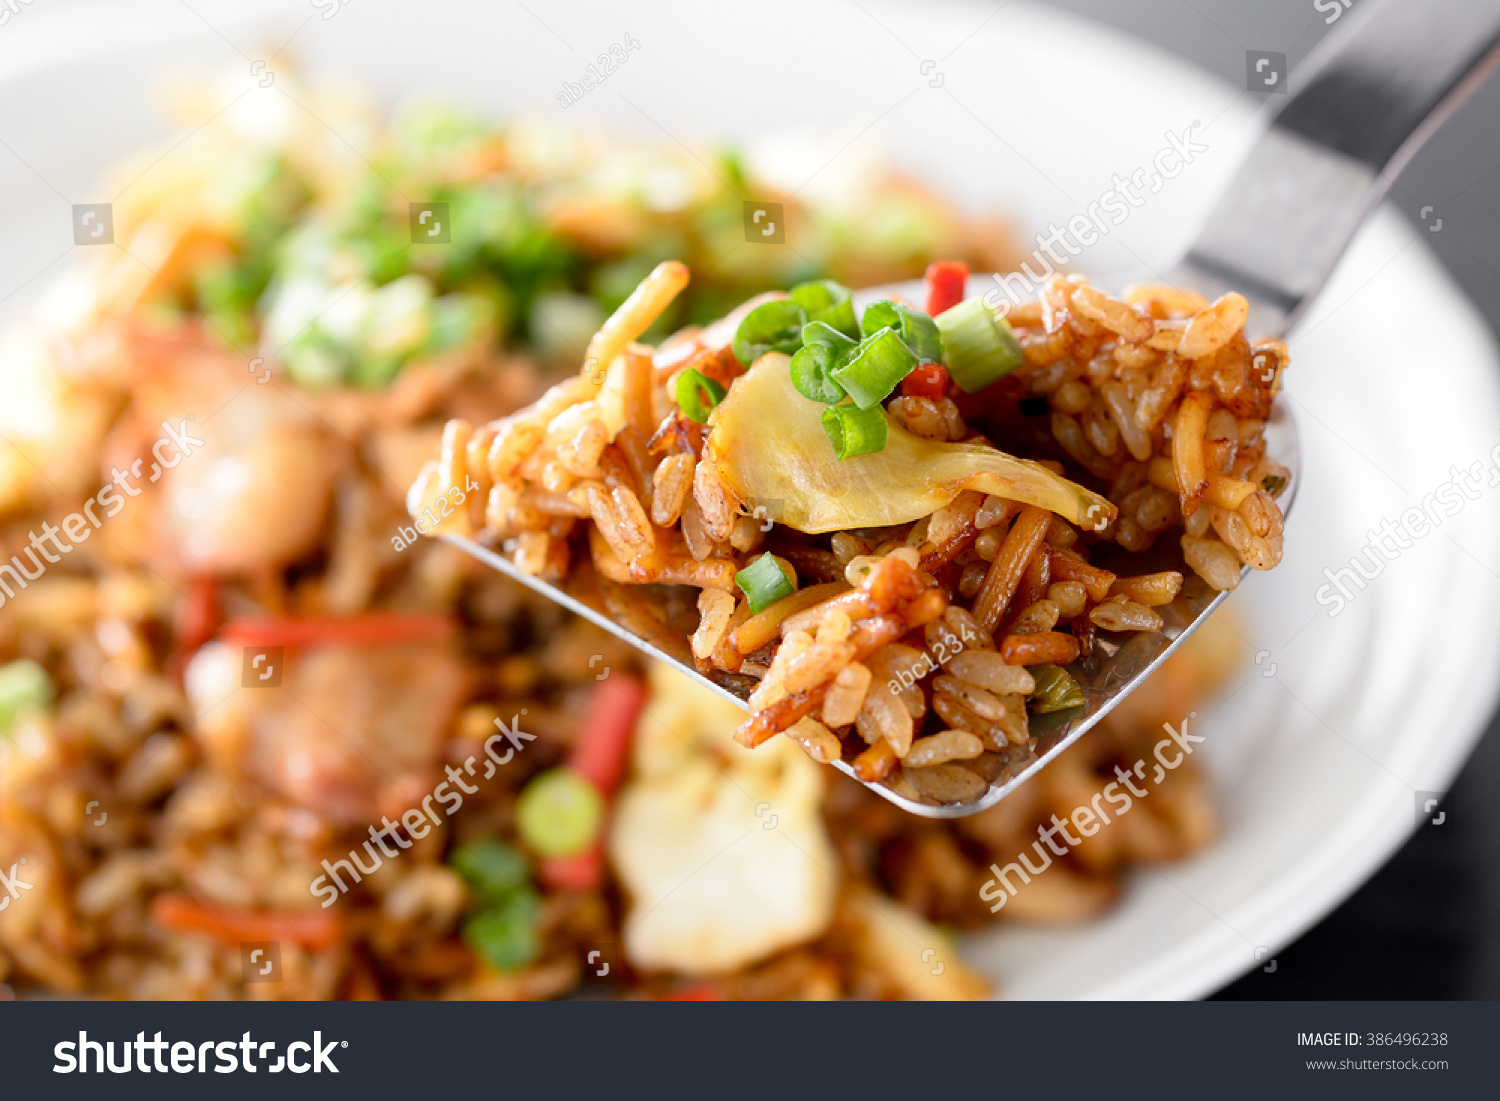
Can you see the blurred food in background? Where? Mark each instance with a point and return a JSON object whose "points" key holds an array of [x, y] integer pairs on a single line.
{"points": [[238, 704]]}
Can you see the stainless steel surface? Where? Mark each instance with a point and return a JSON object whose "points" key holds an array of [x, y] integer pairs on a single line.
{"points": [[1106, 677], [594, 614], [1357, 110]]}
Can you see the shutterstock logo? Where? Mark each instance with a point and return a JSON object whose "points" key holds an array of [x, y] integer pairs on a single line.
{"points": [[189, 1058]]}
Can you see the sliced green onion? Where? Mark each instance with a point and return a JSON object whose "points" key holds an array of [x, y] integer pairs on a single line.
{"points": [[764, 582], [559, 813], [734, 169], [874, 367], [810, 367], [827, 302], [855, 431], [220, 284], [375, 371], [493, 869], [1056, 690], [818, 332], [1273, 484], [561, 324], [504, 934], [817, 295], [879, 315], [697, 394], [458, 319], [314, 360], [979, 346], [916, 330], [920, 333], [823, 349], [771, 327], [504, 930], [25, 688]]}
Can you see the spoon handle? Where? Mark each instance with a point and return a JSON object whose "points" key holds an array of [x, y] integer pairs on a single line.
{"points": [[1356, 111]]}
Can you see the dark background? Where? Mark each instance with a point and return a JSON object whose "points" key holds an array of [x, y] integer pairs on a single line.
{"points": [[1427, 925]]}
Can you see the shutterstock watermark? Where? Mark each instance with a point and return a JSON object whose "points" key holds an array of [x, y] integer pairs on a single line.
{"points": [[419, 822], [765, 223], [174, 446], [1087, 818], [328, 8], [1082, 230], [1332, 9], [12, 885], [9, 8], [1393, 538]]}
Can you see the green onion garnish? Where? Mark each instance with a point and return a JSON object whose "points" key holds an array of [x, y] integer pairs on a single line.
{"points": [[697, 395], [828, 302], [980, 346], [819, 332], [1056, 690], [771, 327], [920, 333], [504, 934], [875, 367], [855, 431], [25, 687], [823, 349], [559, 813], [1273, 484], [503, 931], [810, 374], [916, 330], [492, 868], [764, 582], [879, 315]]}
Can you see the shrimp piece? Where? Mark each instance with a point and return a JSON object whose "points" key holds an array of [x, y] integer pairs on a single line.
{"points": [[213, 474]]}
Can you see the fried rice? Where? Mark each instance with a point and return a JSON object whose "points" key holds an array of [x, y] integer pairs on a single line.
{"points": [[245, 690], [926, 595]]}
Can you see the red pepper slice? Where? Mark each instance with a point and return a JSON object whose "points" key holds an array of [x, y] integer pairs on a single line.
{"points": [[581, 872], [928, 381], [314, 929], [194, 622], [600, 755], [602, 748], [374, 629], [946, 280]]}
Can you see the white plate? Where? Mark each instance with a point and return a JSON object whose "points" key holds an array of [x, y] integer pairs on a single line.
{"points": [[1318, 752]]}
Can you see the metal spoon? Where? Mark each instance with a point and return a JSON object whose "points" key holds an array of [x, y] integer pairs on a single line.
{"points": [[1357, 110]]}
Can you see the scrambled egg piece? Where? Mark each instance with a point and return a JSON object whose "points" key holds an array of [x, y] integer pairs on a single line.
{"points": [[721, 849]]}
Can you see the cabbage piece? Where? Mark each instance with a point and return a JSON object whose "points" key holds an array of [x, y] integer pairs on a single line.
{"points": [[770, 449]]}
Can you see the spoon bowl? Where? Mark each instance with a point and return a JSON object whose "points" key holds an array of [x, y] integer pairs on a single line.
{"points": [[1327, 157], [1108, 674]]}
